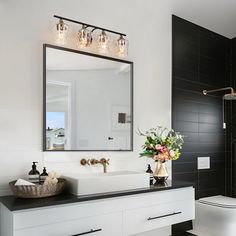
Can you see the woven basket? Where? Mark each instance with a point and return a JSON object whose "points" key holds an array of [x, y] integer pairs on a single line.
{"points": [[38, 190]]}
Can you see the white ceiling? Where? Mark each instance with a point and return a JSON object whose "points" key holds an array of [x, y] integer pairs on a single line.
{"points": [[216, 15]]}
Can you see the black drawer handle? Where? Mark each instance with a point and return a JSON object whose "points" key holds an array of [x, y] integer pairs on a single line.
{"points": [[88, 232], [171, 214]]}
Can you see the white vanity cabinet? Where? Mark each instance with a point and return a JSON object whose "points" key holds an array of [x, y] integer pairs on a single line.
{"points": [[117, 216]]}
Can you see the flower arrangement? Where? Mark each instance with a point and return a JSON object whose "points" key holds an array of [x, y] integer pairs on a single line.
{"points": [[162, 144]]}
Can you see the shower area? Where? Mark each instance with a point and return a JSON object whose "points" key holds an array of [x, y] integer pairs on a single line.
{"points": [[228, 96], [216, 215], [204, 107]]}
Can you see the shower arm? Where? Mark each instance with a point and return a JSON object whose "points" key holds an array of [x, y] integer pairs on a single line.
{"points": [[205, 92]]}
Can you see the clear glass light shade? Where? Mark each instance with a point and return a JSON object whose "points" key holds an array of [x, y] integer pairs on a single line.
{"points": [[61, 33], [103, 42], [122, 47], [84, 38]]}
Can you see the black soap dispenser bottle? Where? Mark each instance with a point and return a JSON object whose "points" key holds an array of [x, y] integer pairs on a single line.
{"points": [[149, 170], [43, 175], [34, 174]]}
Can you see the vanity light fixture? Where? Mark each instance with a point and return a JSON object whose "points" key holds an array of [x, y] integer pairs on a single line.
{"points": [[61, 32], [85, 38], [103, 42], [122, 46]]}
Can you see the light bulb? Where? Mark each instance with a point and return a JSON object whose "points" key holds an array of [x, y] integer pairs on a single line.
{"points": [[84, 37], [103, 41], [122, 46], [61, 32]]}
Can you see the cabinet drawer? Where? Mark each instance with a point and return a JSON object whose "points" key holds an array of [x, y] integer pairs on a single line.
{"points": [[56, 214], [92, 226], [162, 197], [157, 216]]}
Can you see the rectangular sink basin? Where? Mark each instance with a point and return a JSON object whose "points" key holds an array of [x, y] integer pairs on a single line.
{"points": [[92, 183]]}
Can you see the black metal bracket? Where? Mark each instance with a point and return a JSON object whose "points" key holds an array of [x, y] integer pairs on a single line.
{"points": [[88, 25]]}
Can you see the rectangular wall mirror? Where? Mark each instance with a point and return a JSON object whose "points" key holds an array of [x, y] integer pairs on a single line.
{"points": [[87, 102]]}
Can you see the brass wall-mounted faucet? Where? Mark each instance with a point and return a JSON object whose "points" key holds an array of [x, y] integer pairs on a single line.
{"points": [[104, 162], [84, 162]]}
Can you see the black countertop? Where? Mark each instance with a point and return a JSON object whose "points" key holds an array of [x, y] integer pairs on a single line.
{"points": [[16, 204]]}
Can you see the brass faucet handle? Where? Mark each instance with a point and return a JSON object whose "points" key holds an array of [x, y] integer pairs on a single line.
{"points": [[94, 162], [84, 162], [104, 161]]}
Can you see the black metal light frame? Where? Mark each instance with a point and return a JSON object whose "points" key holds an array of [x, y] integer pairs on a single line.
{"points": [[88, 25]]}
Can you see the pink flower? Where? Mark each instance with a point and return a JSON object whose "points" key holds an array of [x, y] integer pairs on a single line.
{"points": [[163, 150], [158, 147], [172, 153]]}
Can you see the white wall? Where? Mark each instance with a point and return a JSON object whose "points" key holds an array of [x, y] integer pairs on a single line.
{"points": [[26, 25]]}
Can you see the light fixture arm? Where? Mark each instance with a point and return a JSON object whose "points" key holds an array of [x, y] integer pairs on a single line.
{"points": [[88, 25], [93, 29]]}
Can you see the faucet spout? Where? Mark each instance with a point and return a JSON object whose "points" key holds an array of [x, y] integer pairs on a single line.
{"points": [[104, 163]]}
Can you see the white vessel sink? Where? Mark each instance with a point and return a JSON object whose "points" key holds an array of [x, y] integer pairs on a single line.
{"points": [[92, 183]]}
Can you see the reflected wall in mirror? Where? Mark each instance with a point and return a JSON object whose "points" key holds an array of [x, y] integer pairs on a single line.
{"points": [[88, 101]]}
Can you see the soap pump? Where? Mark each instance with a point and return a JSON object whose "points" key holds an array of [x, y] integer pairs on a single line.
{"points": [[44, 174], [34, 173], [149, 171]]}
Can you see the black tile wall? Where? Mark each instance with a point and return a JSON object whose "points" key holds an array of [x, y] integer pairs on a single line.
{"points": [[201, 60], [233, 128]]}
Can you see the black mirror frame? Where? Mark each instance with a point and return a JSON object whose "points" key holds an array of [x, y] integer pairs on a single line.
{"points": [[45, 46]]}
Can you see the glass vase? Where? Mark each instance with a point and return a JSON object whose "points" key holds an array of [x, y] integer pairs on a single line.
{"points": [[160, 174]]}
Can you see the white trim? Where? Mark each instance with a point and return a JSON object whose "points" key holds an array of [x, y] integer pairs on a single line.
{"points": [[69, 86]]}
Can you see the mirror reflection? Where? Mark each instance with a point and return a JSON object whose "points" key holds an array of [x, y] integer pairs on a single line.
{"points": [[88, 102]]}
